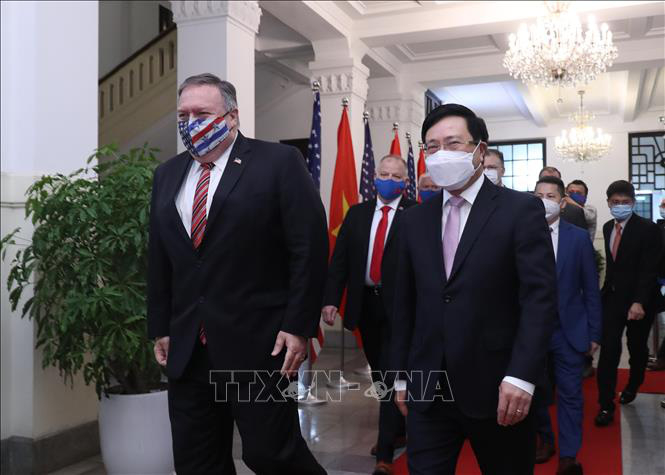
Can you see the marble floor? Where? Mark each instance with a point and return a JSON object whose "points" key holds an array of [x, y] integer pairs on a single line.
{"points": [[340, 434]]}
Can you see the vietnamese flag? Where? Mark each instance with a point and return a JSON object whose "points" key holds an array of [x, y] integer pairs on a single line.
{"points": [[344, 187], [344, 192], [394, 146], [421, 161]]}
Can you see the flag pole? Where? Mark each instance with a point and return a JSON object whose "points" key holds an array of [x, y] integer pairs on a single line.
{"points": [[342, 383], [305, 396], [367, 369]]}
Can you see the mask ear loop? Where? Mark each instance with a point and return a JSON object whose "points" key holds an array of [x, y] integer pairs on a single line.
{"points": [[482, 158]]}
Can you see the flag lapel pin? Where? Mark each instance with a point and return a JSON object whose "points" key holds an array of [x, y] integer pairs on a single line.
{"points": [[237, 160]]}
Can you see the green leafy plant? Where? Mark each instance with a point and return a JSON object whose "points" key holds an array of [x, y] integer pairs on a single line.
{"points": [[87, 264]]}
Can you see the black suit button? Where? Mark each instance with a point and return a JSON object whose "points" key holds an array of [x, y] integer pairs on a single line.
{"points": [[447, 299], [202, 299], [199, 263]]}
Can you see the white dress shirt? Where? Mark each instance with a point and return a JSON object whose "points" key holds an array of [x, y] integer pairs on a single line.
{"points": [[378, 214], [554, 231], [469, 195], [184, 199], [614, 230]]}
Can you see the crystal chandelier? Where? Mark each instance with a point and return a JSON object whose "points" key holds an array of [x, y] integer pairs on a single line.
{"points": [[556, 52], [582, 143]]}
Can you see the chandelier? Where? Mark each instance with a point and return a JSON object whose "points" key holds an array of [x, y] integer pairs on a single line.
{"points": [[582, 143], [556, 52]]}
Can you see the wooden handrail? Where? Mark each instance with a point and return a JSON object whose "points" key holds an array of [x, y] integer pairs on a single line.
{"points": [[137, 53]]}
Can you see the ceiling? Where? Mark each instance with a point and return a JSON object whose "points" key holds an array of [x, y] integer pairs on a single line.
{"points": [[456, 50]]}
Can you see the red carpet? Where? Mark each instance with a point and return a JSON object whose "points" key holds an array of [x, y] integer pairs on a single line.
{"points": [[601, 447]]}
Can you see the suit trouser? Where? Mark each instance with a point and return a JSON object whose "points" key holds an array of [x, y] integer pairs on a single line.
{"points": [[615, 319], [375, 331], [436, 436], [202, 416], [567, 366]]}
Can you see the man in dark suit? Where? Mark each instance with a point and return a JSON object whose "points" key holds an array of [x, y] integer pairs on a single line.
{"points": [[572, 214], [474, 309], [631, 295], [577, 333], [364, 263], [238, 247]]}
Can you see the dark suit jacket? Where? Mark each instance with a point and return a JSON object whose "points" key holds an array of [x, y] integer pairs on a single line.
{"points": [[633, 277], [349, 260], [259, 270], [494, 317], [574, 215], [580, 311]]}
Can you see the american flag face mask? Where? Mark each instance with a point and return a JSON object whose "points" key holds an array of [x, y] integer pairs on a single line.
{"points": [[200, 136]]}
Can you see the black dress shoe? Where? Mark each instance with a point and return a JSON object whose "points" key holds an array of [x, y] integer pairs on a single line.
{"points": [[604, 418], [569, 466], [627, 396]]}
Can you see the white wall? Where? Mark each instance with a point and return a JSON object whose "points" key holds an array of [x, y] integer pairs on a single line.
{"points": [[597, 175], [124, 28], [42, 42]]}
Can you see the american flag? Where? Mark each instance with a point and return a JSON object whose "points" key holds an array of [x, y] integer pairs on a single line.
{"points": [[314, 166], [411, 167], [314, 147], [367, 187]]}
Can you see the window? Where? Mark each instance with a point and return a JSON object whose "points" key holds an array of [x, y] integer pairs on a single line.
{"points": [[646, 169], [647, 160], [432, 101], [523, 160]]}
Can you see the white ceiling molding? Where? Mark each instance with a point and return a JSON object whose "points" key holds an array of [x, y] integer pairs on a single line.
{"points": [[633, 93], [443, 54]]}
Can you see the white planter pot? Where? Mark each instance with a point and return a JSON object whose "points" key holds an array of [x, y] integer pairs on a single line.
{"points": [[135, 434]]}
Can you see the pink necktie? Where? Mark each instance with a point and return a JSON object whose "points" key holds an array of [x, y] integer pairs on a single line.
{"points": [[451, 233]]}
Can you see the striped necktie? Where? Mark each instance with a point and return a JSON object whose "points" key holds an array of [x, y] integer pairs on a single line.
{"points": [[199, 219], [199, 208]]}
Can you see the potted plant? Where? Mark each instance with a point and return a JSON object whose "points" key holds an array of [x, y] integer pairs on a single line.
{"points": [[87, 264]]}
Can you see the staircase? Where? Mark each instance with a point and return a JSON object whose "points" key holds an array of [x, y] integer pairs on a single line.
{"points": [[139, 92]]}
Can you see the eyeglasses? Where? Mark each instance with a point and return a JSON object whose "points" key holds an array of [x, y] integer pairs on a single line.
{"points": [[453, 145]]}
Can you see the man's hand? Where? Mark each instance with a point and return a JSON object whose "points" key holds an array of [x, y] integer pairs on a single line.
{"points": [[296, 352], [514, 404], [636, 312], [569, 200], [161, 349], [400, 401], [329, 312], [594, 347]]}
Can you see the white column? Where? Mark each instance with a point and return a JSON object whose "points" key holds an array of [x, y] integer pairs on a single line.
{"points": [[218, 37], [393, 100], [339, 78], [49, 124]]}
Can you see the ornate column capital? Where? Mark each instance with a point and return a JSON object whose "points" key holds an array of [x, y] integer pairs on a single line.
{"points": [[246, 14], [350, 79]]}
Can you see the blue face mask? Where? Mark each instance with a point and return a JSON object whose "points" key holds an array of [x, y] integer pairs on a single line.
{"points": [[389, 189], [578, 198], [621, 212], [427, 194]]}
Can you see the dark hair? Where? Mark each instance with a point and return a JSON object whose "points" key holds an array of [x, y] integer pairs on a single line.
{"points": [[552, 180], [549, 169], [621, 187], [226, 89], [495, 152], [475, 124], [581, 183]]}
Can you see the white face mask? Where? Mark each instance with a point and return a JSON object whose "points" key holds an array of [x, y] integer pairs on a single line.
{"points": [[492, 174], [552, 209], [451, 170]]}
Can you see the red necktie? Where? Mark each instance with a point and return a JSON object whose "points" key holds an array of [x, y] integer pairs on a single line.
{"points": [[617, 240], [377, 250], [199, 219]]}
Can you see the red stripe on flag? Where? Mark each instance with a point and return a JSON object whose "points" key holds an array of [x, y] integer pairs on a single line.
{"points": [[207, 129]]}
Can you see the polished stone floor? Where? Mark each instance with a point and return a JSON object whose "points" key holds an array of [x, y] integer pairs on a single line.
{"points": [[340, 434]]}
